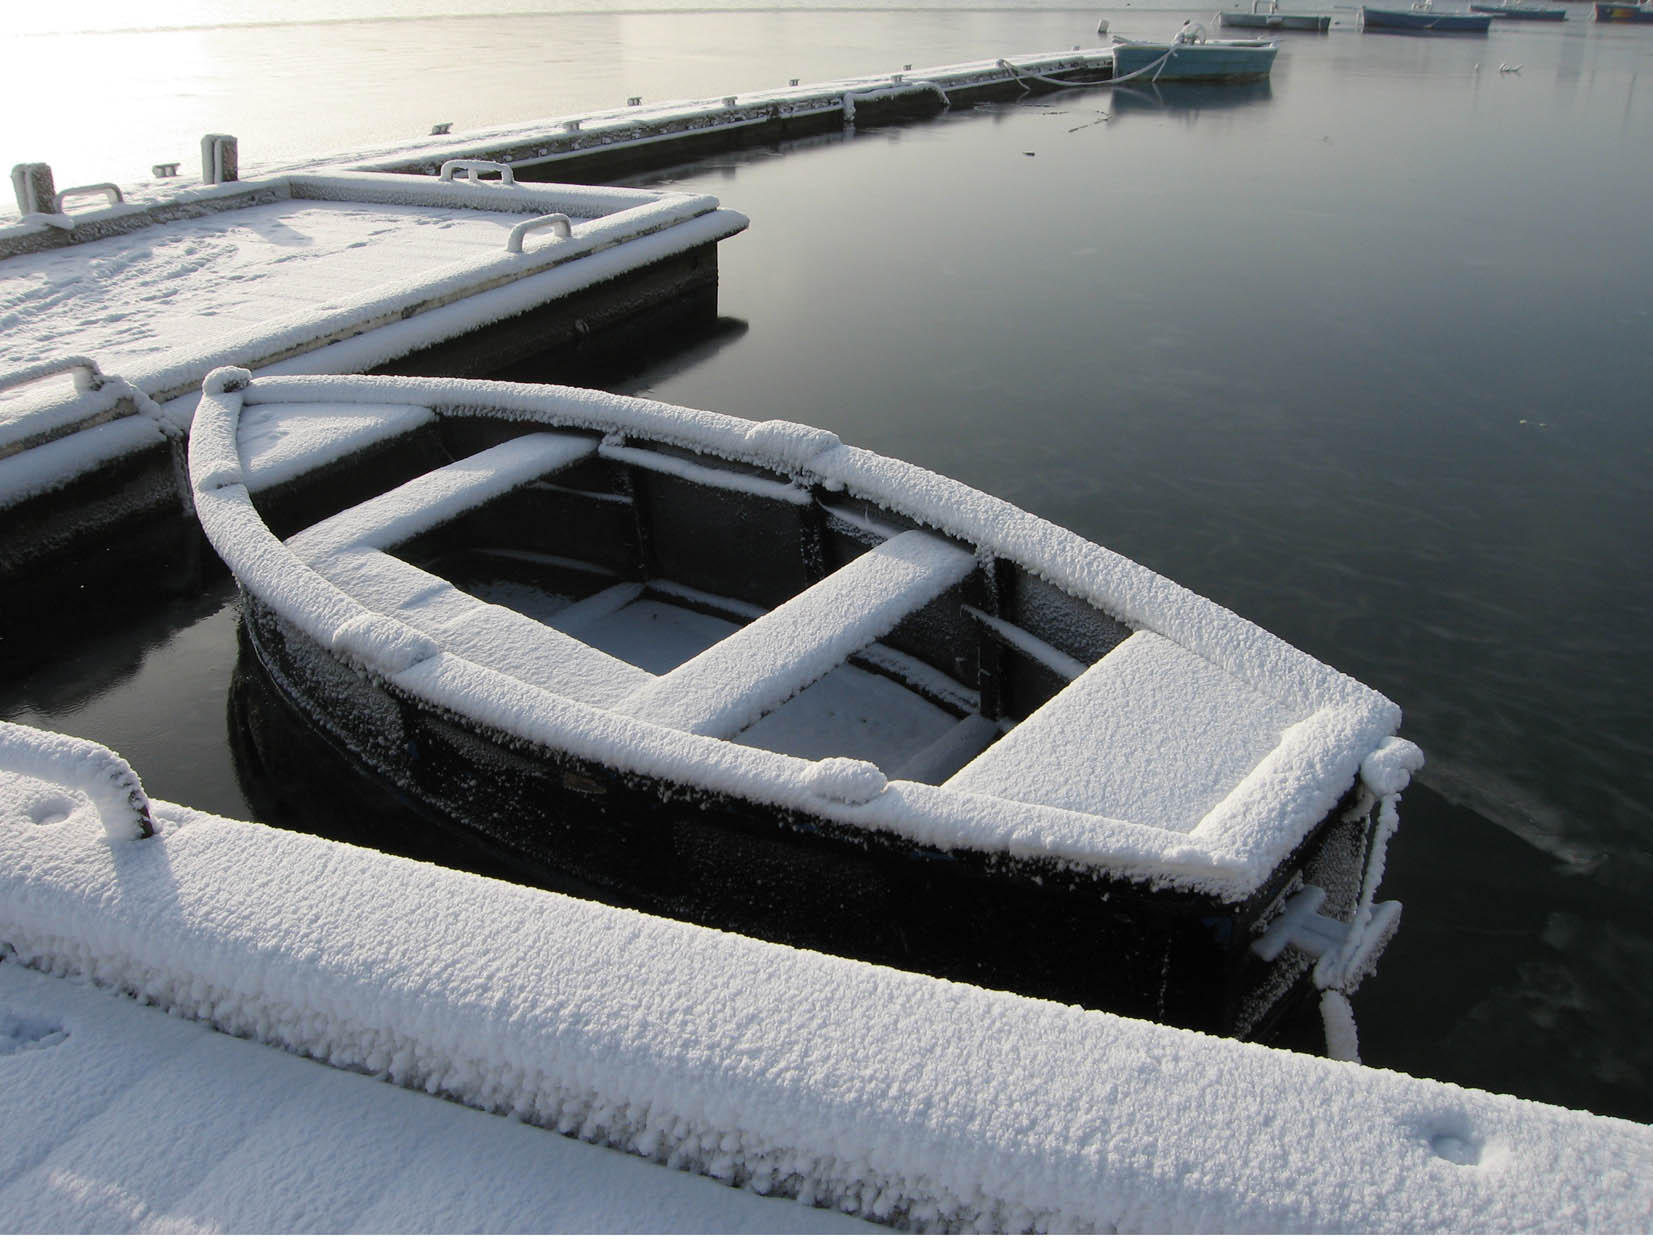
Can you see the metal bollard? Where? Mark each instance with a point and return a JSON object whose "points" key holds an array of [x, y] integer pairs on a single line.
{"points": [[165, 170], [220, 159], [35, 189]]}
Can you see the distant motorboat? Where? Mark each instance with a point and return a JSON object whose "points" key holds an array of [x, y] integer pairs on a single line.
{"points": [[1191, 57], [1266, 15], [1424, 17], [1615, 12], [1519, 11]]}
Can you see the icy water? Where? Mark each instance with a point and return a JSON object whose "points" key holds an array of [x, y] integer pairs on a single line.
{"points": [[1361, 354]]}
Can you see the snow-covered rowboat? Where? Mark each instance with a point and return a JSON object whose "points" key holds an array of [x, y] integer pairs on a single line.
{"points": [[744, 674]]}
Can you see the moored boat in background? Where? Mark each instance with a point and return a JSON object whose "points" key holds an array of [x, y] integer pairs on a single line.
{"points": [[1518, 10], [1266, 15], [1423, 18], [1191, 57], [1616, 11]]}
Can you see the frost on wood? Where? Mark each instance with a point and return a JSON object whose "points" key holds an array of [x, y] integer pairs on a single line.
{"points": [[900, 1098]]}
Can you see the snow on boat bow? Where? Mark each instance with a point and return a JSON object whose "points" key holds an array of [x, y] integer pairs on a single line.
{"points": [[744, 674]]}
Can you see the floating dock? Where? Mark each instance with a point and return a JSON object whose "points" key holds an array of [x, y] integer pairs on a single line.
{"points": [[897, 1098], [456, 274]]}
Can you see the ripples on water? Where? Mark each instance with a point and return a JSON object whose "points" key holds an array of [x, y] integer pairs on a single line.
{"points": [[1361, 353]]}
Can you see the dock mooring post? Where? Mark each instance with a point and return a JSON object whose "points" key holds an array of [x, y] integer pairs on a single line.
{"points": [[35, 189], [220, 159]]}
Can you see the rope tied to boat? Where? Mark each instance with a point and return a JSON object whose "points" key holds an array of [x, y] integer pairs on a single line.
{"points": [[1023, 78], [1156, 68]]}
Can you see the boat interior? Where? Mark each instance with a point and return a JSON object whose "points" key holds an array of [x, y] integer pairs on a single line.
{"points": [[698, 592]]}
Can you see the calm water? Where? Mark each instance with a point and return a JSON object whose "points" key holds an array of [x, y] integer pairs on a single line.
{"points": [[1362, 354]]}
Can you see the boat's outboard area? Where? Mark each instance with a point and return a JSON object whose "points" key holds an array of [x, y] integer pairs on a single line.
{"points": [[741, 674]]}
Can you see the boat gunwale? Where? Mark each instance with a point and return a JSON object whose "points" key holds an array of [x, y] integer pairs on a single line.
{"points": [[1228, 854]]}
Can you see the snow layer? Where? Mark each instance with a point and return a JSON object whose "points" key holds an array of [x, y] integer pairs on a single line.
{"points": [[1150, 733], [43, 764], [748, 674], [1234, 846], [299, 262], [892, 1096], [120, 1118], [441, 495], [277, 449]]}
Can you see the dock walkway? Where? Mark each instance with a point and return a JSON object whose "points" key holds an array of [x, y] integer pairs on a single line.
{"points": [[895, 1097]]}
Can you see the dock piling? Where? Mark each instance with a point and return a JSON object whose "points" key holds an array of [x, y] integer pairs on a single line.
{"points": [[35, 189], [220, 159]]}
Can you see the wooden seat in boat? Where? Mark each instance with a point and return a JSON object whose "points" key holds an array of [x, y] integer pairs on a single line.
{"points": [[1151, 733], [761, 665], [347, 550], [439, 496], [484, 633]]}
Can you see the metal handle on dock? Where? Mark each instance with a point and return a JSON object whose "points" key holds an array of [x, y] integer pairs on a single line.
{"points": [[559, 224], [108, 189], [88, 378], [473, 169]]}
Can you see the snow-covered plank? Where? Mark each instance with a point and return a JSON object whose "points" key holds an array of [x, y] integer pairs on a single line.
{"points": [[885, 1094], [491, 636], [441, 495], [120, 1118], [757, 668], [1150, 733], [281, 442]]}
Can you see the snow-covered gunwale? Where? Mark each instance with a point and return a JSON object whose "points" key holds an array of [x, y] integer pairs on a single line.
{"points": [[748, 675]]}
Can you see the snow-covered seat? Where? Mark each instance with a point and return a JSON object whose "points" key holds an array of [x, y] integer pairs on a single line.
{"points": [[492, 636], [283, 441], [440, 495], [755, 669], [347, 550], [1151, 733]]}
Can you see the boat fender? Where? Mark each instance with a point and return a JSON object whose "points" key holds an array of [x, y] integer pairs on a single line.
{"points": [[226, 379], [848, 781]]}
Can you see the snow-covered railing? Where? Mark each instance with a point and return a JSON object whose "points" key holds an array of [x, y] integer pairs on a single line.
{"points": [[558, 223], [474, 170], [66, 764], [108, 190]]}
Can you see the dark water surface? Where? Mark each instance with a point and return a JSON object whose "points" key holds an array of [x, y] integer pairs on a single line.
{"points": [[1361, 354]]}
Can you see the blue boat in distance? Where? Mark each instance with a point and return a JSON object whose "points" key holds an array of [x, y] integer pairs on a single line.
{"points": [[1423, 18], [1519, 11], [1191, 57], [1266, 15]]}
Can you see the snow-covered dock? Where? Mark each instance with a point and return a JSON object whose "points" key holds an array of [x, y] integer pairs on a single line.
{"points": [[113, 316], [598, 143], [890, 1096]]}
